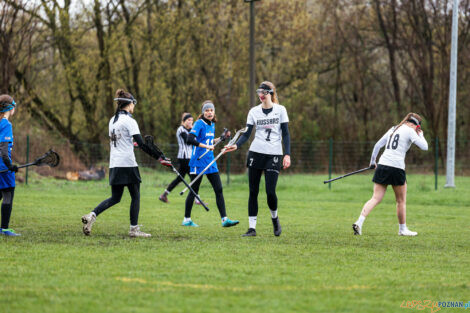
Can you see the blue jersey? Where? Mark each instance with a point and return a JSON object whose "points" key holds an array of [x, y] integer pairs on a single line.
{"points": [[204, 134], [7, 179]]}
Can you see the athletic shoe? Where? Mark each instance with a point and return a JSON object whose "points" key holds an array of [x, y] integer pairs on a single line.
{"points": [[196, 201], [190, 224], [357, 229], [88, 221], [276, 226], [407, 232], [229, 223], [163, 197], [136, 232], [250, 233], [9, 232]]}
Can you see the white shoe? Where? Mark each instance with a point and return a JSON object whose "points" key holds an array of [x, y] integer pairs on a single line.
{"points": [[357, 229], [88, 221], [407, 232], [135, 232]]}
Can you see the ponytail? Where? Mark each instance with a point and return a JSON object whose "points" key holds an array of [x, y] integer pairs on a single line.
{"points": [[407, 117]]}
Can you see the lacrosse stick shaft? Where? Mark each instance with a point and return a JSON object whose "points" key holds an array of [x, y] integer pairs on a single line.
{"points": [[20, 166], [203, 171], [189, 187], [207, 151], [348, 174]]}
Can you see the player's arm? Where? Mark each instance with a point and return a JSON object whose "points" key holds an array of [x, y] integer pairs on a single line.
{"points": [[6, 158], [379, 144], [192, 137], [243, 138], [419, 140]]}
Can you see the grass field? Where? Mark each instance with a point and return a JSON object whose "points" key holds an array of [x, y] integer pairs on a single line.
{"points": [[317, 265]]}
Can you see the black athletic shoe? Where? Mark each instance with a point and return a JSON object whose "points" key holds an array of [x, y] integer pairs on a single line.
{"points": [[250, 233], [276, 226]]}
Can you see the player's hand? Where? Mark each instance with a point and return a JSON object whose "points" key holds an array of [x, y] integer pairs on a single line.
{"points": [[208, 147], [286, 162], [165, 162], [373, 165], [230, 148], [14, 168]]}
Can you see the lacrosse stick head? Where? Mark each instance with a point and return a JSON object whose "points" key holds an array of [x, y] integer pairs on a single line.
{"points": [[50, 158], [236, 136]]}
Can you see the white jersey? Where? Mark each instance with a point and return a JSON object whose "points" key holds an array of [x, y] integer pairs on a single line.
{"points": [[122, 146], [268, 136], [397, 145], [184, 150]]}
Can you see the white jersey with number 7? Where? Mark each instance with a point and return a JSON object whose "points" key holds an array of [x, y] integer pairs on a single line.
{"points": [[268, 137], [397, 145]]}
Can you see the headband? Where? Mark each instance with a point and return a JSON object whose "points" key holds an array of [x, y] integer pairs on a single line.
{"points": [[414, 121], [186, 117], [127, 100], [8, 106], [206, 106]]}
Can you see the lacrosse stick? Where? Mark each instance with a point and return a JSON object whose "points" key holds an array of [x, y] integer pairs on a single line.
{"points": [[50, 158], [207, 151], [149, 142], [230, 143], [349, 174]]}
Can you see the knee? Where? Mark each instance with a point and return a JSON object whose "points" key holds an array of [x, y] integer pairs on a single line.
{"points": [[401, 202], [376, 199], [219, 190], [271, 194]]}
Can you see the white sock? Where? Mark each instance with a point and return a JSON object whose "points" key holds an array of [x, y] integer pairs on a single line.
{"points": [[402, 227], [167, 192], [360, 220], [93, 213], [252, 221], [273, 213], [133, 226], [186, 219], [224, 219]]}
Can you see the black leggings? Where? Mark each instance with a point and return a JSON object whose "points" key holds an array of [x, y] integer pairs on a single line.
{"points": [[7, 195], [214, 179], [183, 170], [116, 195], [270, 178]]}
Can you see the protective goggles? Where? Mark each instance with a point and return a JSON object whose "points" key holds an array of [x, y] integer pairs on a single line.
{"points": [[126, 100], [264, 91]]}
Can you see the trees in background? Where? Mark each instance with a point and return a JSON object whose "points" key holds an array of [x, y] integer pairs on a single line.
{"points": [[344, 68]]}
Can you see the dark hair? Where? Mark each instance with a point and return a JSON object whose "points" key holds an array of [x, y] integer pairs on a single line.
{"points": [[122, 104], [5, 100]]}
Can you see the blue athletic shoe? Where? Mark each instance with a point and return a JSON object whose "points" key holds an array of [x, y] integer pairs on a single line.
{"points": [[190, 224], [9, 232], [229, 223]]}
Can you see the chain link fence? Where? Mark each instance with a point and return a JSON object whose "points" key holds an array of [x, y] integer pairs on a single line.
{"points": [[316, 157]]}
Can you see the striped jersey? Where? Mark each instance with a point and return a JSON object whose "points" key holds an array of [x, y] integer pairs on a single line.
{"points": [[184, 150]]}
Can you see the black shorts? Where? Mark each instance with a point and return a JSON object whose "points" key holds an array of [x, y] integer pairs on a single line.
{"points": [[387, 175], [264, 161], [124, 175]]}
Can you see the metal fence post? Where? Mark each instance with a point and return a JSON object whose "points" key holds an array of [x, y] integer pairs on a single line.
{"points": [[330, 163], [436, 164], [27, 158]]}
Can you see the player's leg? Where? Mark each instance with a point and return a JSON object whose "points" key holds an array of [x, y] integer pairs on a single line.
{"points": [[7, 195], [216, 183], [90, 218], [379, 193], [183, 170], [254, 178], [190, 200], [134, 231], [400, 196], [271, 176]]}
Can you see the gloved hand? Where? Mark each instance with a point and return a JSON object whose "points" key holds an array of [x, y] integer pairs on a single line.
{"points": [[14, 168], [165, 162], [373, 165]]}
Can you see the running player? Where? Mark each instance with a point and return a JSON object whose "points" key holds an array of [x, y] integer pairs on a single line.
{"points": [[265, 154], [202, 138], [123, 168], [184, 153], [7, 179], [391, 169]]}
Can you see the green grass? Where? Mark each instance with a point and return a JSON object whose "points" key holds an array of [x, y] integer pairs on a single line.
{"points": [[317, 265]]}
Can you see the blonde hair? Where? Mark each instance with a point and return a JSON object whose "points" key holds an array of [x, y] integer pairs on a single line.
{"points": [[274, 95], [407, 117]]}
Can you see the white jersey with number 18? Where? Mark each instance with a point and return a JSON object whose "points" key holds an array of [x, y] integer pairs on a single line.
{"points": [[396, 146], [268, 136]]}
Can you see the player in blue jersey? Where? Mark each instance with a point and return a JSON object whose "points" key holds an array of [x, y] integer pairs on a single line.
{"points": [[202, 138], [7, 179]]}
